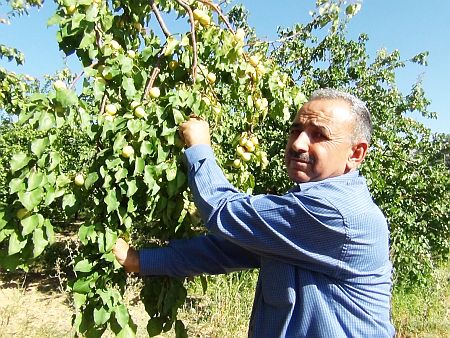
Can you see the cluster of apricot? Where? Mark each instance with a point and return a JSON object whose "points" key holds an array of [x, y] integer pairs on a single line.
{"points": [[248, 149]]}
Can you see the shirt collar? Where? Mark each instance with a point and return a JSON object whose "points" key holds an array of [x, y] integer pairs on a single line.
{"points": [[307, 185]]}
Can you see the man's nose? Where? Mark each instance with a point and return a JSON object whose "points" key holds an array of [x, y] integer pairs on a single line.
{"points": [[301, 142]]}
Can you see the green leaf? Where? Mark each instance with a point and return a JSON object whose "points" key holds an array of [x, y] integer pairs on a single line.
{"points": [[117, 161], [30, 223], [66, 97], [54, 20], [111, 201], [119, 142], [146, 148], [3, 221], [91, 15], [101, 242], [126, 64], [76, 20], [16, 185], [99, 88], [86, 233], [121, 174], [18, 161], [55, 159], [91, 178], [132, 187], [101, 315], [127, 332], [49, 232], [46, 121], [83, 266], [171, 172], [139, 166], [31, 199], [38, 146], [50, 195], [35, 180], [15, 244], [110, 239], [69, 201], [148, 176], [172, 43], [87, 40], [299, 99], [134, 126], [178, 117], [39, 241], [62, 180], [128, 85], [5, 233], [162, 154], [122, 315], [82, 285], [79, 299]]}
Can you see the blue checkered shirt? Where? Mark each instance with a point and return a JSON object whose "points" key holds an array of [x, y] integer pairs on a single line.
{"points": [[322, 251]]}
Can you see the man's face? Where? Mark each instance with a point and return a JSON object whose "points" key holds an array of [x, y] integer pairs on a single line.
{"points": [[319, 144]]}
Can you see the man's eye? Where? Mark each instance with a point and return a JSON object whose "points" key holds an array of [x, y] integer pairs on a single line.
{"points": [[319, 135]]}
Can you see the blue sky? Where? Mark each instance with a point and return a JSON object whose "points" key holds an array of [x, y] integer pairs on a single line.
{"points": [[411, 26]]}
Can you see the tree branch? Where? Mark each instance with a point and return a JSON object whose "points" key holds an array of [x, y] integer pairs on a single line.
{"points": [[161, 22], [102, 106], [154, 74], [193, 38], [98, 35]]}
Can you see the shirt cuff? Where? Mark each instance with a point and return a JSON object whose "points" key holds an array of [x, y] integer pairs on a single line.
{"points": [[197, 153]]}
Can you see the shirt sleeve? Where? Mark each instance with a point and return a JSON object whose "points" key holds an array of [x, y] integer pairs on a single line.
{"points": [[203, 254], [295, 228]]}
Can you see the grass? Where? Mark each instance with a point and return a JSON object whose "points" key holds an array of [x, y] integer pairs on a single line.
{"points": [[224, 310], [424, 311]]}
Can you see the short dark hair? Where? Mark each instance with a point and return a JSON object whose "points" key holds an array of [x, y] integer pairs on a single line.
{"points": [[363, 122]]}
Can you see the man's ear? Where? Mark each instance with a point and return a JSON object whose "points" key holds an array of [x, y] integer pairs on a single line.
{"points": [[357, 154]]}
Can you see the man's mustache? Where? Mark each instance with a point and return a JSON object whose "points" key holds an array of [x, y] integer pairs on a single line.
{"points": [[304, 157]]}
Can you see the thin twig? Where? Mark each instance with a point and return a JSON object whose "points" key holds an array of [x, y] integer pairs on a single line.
{"points": [[193, 38], [161, 22], [78, 77]]}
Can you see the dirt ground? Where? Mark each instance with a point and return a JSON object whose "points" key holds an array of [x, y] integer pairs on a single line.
{"points": [[33, 305]]}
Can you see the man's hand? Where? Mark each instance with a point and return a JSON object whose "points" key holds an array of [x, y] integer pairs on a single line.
{"points": [[195, 131], [126, 256]]}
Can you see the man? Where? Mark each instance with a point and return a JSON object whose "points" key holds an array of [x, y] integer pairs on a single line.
{"points": [[322, 248]]}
